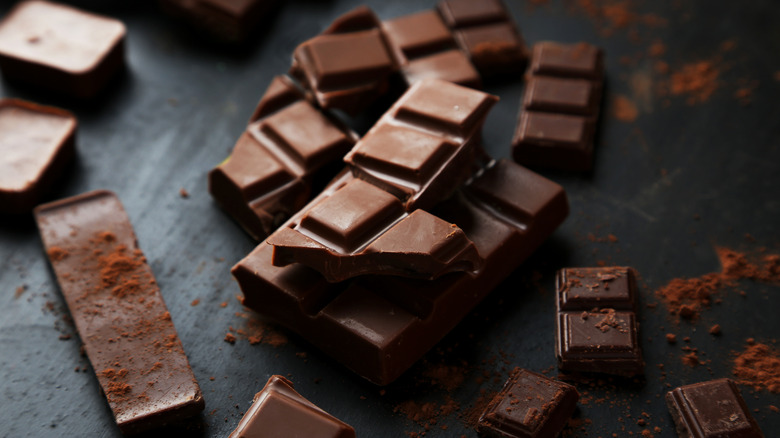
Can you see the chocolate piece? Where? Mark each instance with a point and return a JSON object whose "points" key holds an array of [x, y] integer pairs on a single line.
{"points": [[226, 20], [591, 334], [529, 406], [380, 325], [38, 46], [346, 69], [36, 143], [485, 30], [279, 411], [361, 229], [427, 49], [424, 146], [270, 173], [561, 105], [118, 310], [711, 409]]}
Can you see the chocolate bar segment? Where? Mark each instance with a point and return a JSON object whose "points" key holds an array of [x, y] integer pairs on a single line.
{"points": [[560, 108], [36, 144], [427, 50], [288, 145], [226, 20], [529, 406], [119, 312], [279, 411], [349, 66], [361, 229], [597, 329], [380, 325], [711, 409], [38, 46], [426, 143], [486, 32]]}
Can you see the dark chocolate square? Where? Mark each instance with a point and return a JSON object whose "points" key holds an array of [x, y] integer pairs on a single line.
{"points": [[452, 66], [529, 406], [580, 60], [418, 34], [562, 95], [460, 13], [494, 48], [588, 288], [711, 409]]}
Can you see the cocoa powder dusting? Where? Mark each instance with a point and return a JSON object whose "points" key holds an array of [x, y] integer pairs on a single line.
{"points": [[758, 366], [686, 296], [57, 254], [696, 80], [624, 109]]}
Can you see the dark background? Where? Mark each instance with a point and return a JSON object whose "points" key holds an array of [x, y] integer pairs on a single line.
{"points": [[683, 178]]}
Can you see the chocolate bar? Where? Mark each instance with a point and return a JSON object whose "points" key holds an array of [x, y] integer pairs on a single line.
{"points": [[38, 46], [530, 405], [286, 148], [711, 409], [279, 411], [36, 144], [380, 325], [427, 50], [485, 30], [361, 229], [349, 66], [425, 145], [226, 20], [597, 326], [117, 308], [560, 107]]}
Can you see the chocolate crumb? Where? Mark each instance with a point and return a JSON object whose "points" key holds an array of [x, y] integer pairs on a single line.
{"points": [[715, 330]]}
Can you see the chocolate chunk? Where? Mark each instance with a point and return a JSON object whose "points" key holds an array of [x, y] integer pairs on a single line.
{"points": [[36, 144], [711, 409], [424, 146], [38, 46], [118, 311], [558, 117], [226, 20], [529, 406], [485, 30], [361, 229], [346, 69], [591, 334], [383, 324], [270, 173], [427, 50], [279, 411]]}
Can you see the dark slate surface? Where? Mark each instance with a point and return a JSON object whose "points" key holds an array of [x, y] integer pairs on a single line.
{"points": [[671, 186]]}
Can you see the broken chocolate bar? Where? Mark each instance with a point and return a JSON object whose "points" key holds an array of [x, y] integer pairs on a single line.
{"points": [[560, 108], [227, 20], [425, 145], [119, 312], [597, 326], [361, 229], [380, 325], [38, 46], [36, 143], [711, 409], [349, 66], [288, 145], [427, 50], [529, 406], [279, 411], [485, 30]]}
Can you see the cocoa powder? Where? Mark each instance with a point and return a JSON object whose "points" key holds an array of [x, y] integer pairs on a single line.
{"points": [[758, 366]]}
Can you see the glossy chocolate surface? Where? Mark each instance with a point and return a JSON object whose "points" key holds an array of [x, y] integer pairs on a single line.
{"points": [[279, 411], [530, 405], [60, 48], [712, 409], [119, 312], [424, 146], [487, 33], [286, 147], [562, 95], [553, 140], [349, 65], [36, 143], [596, 327], [580, 60], [361, 229], [379, 326]]}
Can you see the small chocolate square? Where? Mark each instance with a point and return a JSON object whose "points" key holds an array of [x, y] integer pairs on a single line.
{"points": [[562, 95], [461, 13], [588, 288], [580, 60], [418, 34]]}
